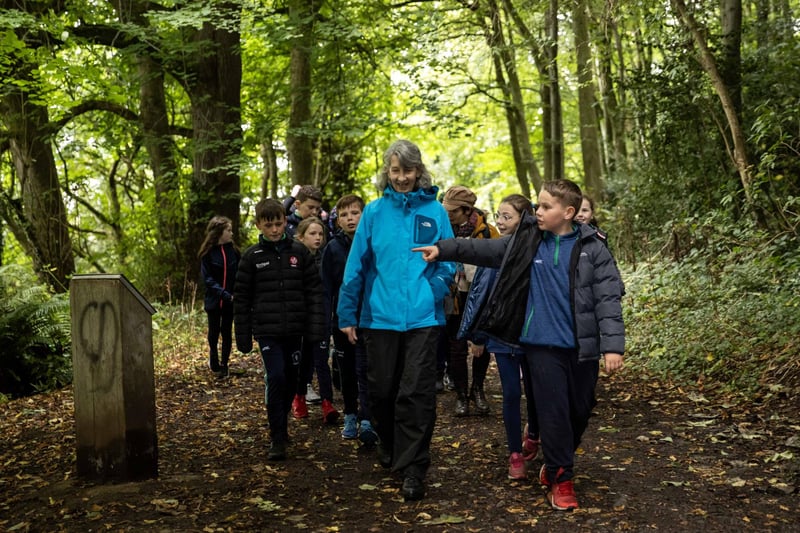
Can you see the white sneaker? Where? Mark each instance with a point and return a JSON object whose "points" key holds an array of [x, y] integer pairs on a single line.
{"points": [[311, 395]]}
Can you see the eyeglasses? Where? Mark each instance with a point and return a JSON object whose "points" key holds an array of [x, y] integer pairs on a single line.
{"points": [[503, 216]]}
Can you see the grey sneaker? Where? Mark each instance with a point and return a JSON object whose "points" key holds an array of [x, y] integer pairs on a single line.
{"points": [[311, 395]]}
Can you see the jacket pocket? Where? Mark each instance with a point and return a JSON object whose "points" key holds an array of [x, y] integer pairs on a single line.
{"points": [[425, 230]]}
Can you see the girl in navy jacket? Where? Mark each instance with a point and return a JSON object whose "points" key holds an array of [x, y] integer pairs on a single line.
{"points": [[219, 260]]}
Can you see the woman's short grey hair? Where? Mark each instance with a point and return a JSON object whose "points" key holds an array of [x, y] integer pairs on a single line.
{"points": [[409, 156]]}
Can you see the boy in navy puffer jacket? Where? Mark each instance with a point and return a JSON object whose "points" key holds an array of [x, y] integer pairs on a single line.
{"points": [[568, 283]]}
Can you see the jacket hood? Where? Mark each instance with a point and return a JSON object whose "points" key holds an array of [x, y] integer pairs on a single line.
{"points": [[413, 198]]}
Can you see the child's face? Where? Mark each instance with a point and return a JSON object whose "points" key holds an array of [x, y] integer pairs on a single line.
{"points": [[227, 235], [272, 230], [313, 237], [585, 214], [308, 208], [348, 218], [506, 219], [552, 216], [402, 179]]}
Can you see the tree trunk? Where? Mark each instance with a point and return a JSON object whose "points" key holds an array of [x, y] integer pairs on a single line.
{"points": [[504, 61], [298, 138], [708, 63], [217, 133], [614, 127], [731, 53], [556, 119], [43, 228], [158, 141], [590, 141]]}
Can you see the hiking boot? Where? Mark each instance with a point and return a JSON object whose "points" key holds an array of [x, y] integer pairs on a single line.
{"points": [[366, 434], [277, 451], [413, 488], [213, 364], [223, 372], [329, 413], [479, 397], [516, 466], [311, 395], [350, 430], [462, 404], [530, 447], [562, 496], [299, 407]]}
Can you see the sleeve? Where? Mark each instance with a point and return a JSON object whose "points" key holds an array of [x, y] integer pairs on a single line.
{"points": [[479, 252], [312, 292], [607, 293], [213, 286], [355, 272], [243, 305], [331, 272]]}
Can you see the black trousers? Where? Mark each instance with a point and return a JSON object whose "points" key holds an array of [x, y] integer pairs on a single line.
{"points": [[458, 359], [401, 374], [220, 324], [564, 392], [281, 359]]}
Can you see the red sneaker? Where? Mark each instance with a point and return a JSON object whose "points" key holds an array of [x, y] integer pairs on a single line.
{"points": [[516, 466], [562, 496], [543, 476], [299, 408], [530, 447], [329, 412]]}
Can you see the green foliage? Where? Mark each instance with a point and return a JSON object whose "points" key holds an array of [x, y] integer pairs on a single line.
{"points": [[35, 351], [727, 312]]}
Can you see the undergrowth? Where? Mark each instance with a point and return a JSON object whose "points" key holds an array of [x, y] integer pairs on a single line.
{"points": [[726, 314]]}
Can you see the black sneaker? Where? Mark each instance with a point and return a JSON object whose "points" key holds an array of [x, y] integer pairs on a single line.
{"points": [[223, 372], [413, 488], [277, 451], [213, 365]]}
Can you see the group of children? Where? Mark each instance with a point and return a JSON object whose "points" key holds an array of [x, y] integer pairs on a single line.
{"points": [[545, 300]]}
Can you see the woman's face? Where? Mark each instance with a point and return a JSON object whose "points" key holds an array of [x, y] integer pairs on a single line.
{"points": [[507, 219], [585, 214], [313, 237], [402, 179]]}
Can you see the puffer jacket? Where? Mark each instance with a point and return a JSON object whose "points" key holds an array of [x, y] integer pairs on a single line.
{"points": [[595, 287], [334, 259], [278, 293]]}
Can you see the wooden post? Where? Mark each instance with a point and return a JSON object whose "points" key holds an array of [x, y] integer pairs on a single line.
{"points": [[112, 357]]}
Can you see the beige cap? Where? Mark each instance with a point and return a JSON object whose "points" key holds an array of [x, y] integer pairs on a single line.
{"points": [[458, 196]]}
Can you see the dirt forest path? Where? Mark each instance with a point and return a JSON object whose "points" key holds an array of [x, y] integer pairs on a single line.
{"points": [[655, 457]]}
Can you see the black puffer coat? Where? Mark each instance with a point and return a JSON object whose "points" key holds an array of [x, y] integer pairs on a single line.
{"points": [[278, 293], [595, 287]]}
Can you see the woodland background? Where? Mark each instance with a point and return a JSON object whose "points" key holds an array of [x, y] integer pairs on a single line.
{"points": [[125, 125]]}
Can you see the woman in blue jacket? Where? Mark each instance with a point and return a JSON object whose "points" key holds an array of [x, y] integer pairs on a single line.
{"points": [[396, 300]]}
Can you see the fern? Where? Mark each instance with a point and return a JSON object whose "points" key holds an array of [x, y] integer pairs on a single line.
{"points": [[34, 335]]}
